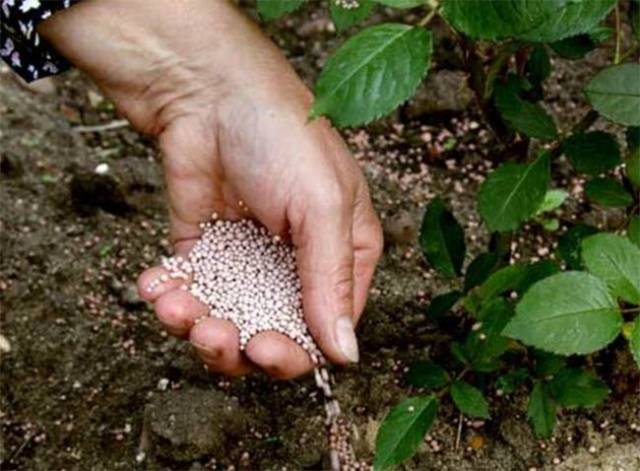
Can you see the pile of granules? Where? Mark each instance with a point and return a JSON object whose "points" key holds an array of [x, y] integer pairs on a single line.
{"points": [[249, 277]]}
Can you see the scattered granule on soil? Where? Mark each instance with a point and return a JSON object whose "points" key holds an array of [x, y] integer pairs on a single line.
{"points": [[249, 277]]}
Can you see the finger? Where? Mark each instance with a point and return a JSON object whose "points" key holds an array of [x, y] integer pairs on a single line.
{"points": [[218, 345], [278, 355], [178, 310], [325, 264], [368, 244], [149, 291]]}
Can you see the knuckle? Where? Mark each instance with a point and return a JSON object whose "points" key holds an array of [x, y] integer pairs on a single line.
{"points": [[331, 197], [343, 282]]}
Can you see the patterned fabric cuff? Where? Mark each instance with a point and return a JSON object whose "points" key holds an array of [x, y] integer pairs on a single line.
{"points": [[20, 45]]}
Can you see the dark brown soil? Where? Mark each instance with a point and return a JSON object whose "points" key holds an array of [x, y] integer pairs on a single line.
{"points": [[92, 382]]}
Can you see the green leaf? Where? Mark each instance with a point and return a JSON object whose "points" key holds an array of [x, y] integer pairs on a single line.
{"points": [[403, 429], [632, 164], [550, 225], [510, 381], [634, 340], [607, 192], [442, 304], [541, 410], [344, 18], [575, 387], [469, 400], [536, 21], [512, 193], [457, 351], [442, 239], [600, 34], [615, 260], [485, 343], [615, 93], [633, 230], [553, 199], [548, 364], [372, 73], [401, 4], [538, 66], [575, 47], [567, 313], [528, 118], [592, 152], [274, 9], [569, 245], [479, 270], [427, 374]]}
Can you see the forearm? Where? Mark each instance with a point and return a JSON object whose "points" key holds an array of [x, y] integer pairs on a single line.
{"points": [[136, 52]]}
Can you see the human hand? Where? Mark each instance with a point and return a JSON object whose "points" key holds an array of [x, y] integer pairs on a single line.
{"points": [[231, 119]]}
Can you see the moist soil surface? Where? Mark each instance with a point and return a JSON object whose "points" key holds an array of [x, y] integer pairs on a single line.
{"points": [[89, 379]]}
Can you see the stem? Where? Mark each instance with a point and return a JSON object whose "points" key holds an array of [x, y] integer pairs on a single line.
{"points": [[462, 373], [440, 394], [459, 433], [631, 50], [616, 56], [630, 310], [581, 126], [477, 81], [500, 244], [502, 56], [429, 16], [586, 122]]}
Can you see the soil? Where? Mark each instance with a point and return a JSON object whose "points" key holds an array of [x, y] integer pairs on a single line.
{"points": [[90, 381]]}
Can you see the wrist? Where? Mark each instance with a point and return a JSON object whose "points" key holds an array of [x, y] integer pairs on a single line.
{"points": [[159, 60]]}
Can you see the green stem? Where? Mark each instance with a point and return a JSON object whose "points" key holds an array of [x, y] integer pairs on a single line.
{"points": [[443, 392], [581, 126], [500, 244], [631, 50], [616, 56], [477, 81], [502, 56], [429, 16]]}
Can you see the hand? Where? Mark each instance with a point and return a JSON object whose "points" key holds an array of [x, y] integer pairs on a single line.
{"points": [[231, 119]]}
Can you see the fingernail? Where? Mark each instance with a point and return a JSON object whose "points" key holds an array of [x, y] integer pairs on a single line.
{"points": [[346, 338]]}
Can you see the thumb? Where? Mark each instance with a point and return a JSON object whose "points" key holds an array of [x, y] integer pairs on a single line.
{"points": [[325, 264]]}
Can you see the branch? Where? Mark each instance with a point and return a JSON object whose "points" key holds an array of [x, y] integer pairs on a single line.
{"points": [[477, 81], [429, 16]]}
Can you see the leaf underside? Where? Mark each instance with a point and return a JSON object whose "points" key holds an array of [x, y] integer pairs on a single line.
{"points": [[615, 93], [615, 260]]}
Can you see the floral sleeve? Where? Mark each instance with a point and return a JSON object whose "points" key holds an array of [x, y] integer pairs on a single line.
{"points": [[20, 45]]}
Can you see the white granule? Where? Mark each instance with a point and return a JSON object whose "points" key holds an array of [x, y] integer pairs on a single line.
{"points": [[246, 276]]}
